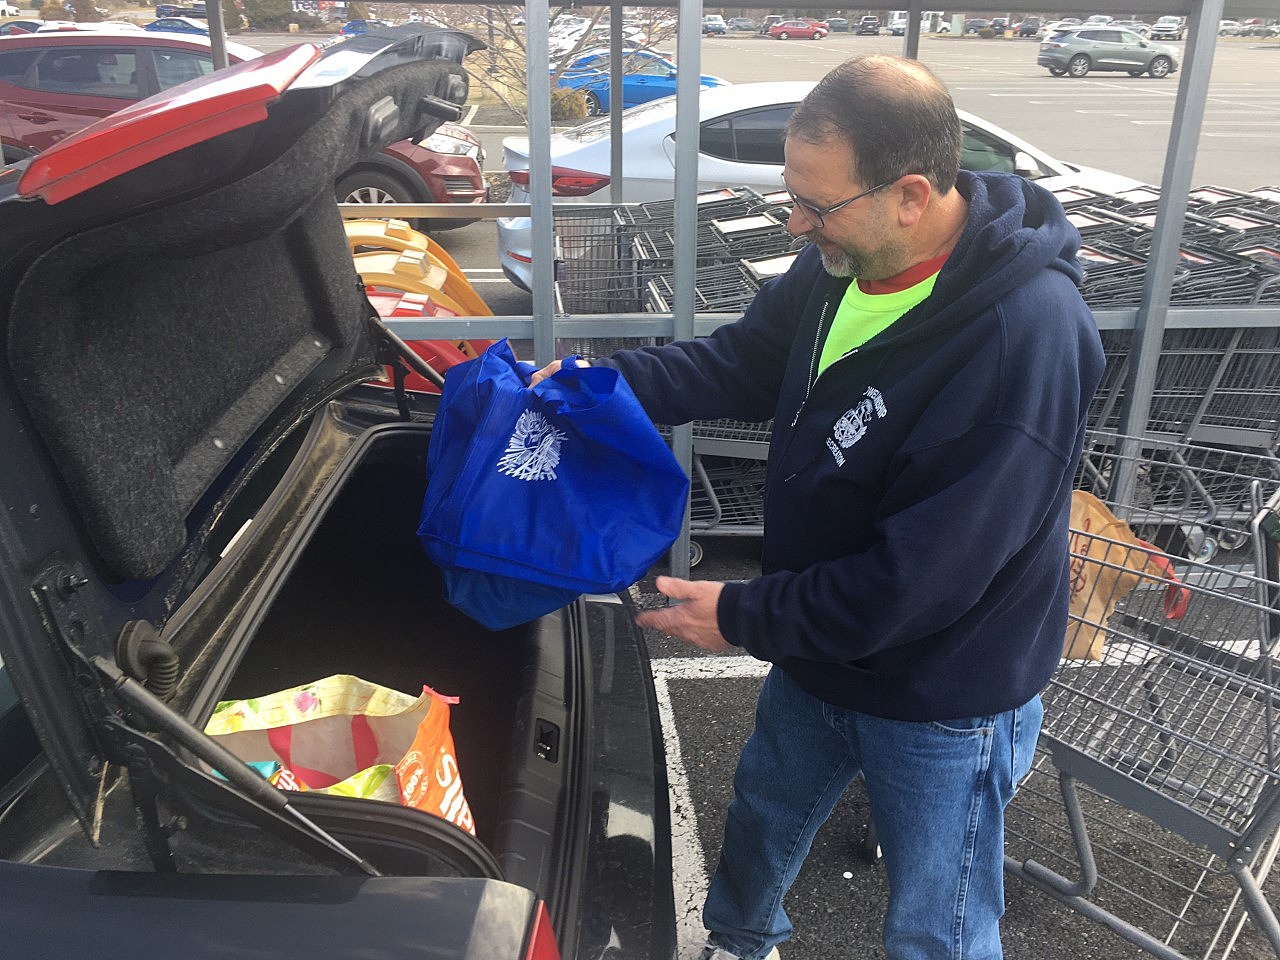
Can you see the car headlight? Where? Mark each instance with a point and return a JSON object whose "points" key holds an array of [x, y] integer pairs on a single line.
{"points": [[443, 143]]}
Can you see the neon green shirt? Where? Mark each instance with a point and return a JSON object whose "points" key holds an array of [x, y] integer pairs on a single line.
{"points": [[861, 316]]}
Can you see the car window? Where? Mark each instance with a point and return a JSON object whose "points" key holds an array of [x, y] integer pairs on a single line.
{"points": [[647, 67], [1132, 39], [751, 137], [178, 66], [980, 150], [14, 64], [89, 71]]}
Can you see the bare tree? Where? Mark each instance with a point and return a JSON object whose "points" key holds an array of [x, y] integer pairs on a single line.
{"points": [[501, 69]]}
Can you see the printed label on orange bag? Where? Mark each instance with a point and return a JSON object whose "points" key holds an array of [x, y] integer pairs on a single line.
{"points": [[429, 777]]}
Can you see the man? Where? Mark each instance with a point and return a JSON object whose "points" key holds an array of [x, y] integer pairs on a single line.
{"points": [[928, 362]]}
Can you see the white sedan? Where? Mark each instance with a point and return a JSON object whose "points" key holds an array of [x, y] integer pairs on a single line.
{"points": [[739, 144]]}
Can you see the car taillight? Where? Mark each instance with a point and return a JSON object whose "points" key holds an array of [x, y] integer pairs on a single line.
{"points": [[565, 182], [542, 943]]}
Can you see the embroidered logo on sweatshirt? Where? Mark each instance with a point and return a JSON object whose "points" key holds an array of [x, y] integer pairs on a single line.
{"points": [[533, 452], [852, 424]]}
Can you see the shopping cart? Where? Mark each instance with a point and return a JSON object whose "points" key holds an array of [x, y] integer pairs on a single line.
{"points": [[1218, 385], [1153, 806]]}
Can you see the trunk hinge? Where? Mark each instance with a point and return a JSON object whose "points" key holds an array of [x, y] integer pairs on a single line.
{"points": [[59, 594]]}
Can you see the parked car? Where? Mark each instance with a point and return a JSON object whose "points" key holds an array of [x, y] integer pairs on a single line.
{"points": [[714, 28], [356, 28], [1167, 28], [975, 24], [837, 24], [646, 76], [868, 26], [13, 28], [1082, 49], [1133, 26], [1054, 27], [1229, 28], [739, 143], [1028, 27], [742, 23], [178, 25], [8, 10], [999, 24], [796, 29], [769, 22], [54, 84], [820, 24], [226, 511]]}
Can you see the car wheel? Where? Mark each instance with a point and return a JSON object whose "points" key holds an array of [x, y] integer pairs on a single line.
{"points": [[594, 109], [816, 36], [1078, 66], [374, 186], [784, 36], [1057, 71], [1160, 67]]}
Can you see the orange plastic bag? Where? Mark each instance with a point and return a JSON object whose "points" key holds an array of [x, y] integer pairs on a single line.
{"points": [[347, 736], [1104, 572]]}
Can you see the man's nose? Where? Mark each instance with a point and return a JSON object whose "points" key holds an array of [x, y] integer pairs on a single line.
{"points": [[799, 222]]}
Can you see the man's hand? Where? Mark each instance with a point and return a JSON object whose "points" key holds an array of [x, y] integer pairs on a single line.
{"points": [[551, 368], [692, 620]]}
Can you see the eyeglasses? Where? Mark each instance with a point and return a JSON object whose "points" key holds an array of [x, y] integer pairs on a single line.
{"points": [[820, 213]]}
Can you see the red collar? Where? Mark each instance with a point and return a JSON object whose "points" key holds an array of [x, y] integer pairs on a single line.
{"points": [[907, 278]]}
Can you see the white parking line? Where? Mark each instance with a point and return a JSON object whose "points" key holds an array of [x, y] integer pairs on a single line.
{"points": [[688, 878]]}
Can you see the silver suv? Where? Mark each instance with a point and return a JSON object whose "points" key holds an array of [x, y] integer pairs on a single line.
{"points": [[1167, 28]]}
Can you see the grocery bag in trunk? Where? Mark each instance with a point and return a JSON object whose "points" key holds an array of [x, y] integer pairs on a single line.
{"points": [[536, 495], [1107, 562], [347, 736]]}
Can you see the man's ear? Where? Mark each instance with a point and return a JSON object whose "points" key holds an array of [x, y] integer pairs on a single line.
{"points": [[912, 193]]}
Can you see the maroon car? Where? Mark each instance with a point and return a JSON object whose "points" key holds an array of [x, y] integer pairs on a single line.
{"points": [[799, 29], [54, 84]]}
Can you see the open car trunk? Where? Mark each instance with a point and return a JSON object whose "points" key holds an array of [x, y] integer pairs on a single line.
{"points": [[204, 500], [361, 597]]}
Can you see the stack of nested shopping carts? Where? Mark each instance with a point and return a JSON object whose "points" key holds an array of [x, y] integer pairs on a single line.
{"points": [[1153, 806], [606, 257], [1230, 252]]}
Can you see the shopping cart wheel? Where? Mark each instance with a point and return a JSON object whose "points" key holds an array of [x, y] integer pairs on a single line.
{"points": [[695, 553]]}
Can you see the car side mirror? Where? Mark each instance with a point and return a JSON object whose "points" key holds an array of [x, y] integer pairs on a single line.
{"points": [[671, 74], [1142, 43], [1024, 165]]}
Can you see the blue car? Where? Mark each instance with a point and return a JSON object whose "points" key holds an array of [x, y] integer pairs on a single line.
{"points": [[355, 28], [646, 76], [178, 25]]}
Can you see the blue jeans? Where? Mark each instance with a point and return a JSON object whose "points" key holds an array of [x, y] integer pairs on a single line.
{"points": [[937, 791]]}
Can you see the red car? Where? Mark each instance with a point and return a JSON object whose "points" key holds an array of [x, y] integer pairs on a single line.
{"points": [[798, 29], [54, 84]]}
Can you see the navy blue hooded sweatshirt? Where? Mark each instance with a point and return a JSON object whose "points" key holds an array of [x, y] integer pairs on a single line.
{"points": [[917, 495]]}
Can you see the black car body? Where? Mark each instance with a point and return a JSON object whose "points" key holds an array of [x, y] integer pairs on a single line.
{"points": [[868, 26], [203, 499]]}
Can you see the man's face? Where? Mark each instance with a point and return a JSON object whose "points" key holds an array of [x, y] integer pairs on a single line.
{"points": [[857, 240]]}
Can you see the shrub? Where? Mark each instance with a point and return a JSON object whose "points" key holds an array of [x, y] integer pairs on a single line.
{"points": [[52, 11], [568, 105], [986, 33]]}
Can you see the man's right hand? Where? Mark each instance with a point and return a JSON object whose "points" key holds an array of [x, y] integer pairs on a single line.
{"points": [[551, 368]]}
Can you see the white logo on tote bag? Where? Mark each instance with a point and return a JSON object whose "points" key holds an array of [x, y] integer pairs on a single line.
{"points": [[533, 452]]}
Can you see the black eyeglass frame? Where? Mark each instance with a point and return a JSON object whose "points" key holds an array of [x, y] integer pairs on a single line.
{"points": [[820, 214]]}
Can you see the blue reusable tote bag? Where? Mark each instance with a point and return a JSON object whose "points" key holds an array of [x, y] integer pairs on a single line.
{"points": [[535, 496]]}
